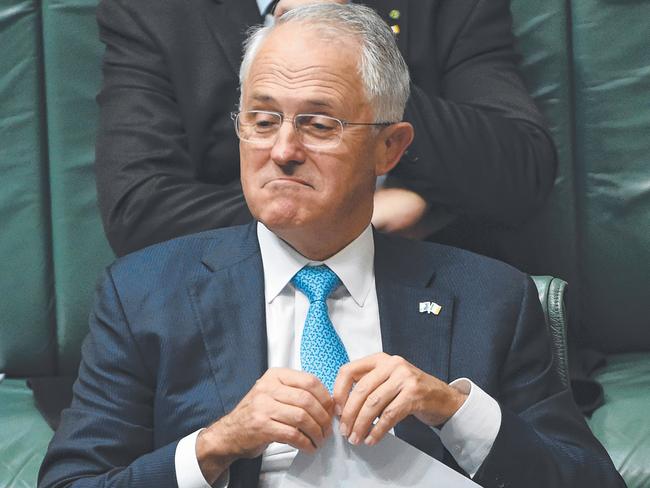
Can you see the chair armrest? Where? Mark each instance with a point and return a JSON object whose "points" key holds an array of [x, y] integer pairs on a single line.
{"points": [[552, 296]]}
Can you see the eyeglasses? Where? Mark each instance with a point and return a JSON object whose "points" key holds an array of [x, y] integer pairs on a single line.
{"points": [[261, 128]]}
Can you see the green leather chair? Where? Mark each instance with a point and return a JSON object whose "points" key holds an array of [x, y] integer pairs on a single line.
{"points": [[586, 62]]}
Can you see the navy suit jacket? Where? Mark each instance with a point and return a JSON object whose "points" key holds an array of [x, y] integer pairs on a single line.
{"points": [[177, 338]]}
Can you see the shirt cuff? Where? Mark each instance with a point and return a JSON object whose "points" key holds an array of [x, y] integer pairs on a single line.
{"points": [[470, 433], [188, 472]]}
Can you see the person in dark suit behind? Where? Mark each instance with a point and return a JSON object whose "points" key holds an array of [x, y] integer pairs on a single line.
{"points": [[167, 163], [213, 358]]}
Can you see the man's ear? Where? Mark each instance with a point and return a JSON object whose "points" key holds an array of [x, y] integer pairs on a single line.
{"points": [[394, 140]]}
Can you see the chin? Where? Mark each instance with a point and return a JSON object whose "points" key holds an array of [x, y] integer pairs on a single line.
{"points": [[282, 215]]}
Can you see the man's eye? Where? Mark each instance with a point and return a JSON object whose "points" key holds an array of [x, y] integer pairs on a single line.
{"points": [[320, 124], [320, 127], [264, 122]]}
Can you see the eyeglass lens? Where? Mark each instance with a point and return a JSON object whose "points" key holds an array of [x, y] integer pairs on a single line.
{"points": [[260, 127]]}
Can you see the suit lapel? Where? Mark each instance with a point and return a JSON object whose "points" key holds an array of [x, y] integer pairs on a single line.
{"points": [[229, 307], [404, 279], [228, 21]]}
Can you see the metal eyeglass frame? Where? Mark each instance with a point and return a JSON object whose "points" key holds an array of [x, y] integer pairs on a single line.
{"points": [[342, 123]]}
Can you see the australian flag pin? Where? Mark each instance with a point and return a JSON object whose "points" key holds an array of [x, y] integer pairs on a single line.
{"points": [[430, 307]]}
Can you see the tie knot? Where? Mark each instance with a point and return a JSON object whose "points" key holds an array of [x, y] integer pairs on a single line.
{"points": [[316, 282]]}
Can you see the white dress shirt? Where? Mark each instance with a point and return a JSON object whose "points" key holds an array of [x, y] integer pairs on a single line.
{"points": [[354, 312], [263, 5]]}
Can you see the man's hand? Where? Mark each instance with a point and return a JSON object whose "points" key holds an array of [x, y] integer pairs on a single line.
{"points": [[390, 388], [286, 5], [284, 405]]}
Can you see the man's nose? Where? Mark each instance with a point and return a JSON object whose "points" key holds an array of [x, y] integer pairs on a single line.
{"points": [[287, 148]]}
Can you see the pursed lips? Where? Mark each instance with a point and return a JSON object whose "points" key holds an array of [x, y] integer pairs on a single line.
{"points": [[288, 180]]}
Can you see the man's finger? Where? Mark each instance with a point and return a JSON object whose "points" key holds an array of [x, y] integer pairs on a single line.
{"points": [[365, 391], [288, 434], [301, 420], [375, 404], [393, 413], [304, 381], [305, 400], [351, 373]]}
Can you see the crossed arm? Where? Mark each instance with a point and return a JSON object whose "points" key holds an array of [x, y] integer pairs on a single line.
{"points": [[167, 163]]}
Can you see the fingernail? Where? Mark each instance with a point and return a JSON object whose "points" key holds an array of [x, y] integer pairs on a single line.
{"points": [[344, 430], [370, 441], [353, 439]]}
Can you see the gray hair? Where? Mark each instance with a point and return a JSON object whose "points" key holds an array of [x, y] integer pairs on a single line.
{"points": [[383, 71]]}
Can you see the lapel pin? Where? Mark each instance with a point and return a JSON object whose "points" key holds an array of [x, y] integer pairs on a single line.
{"points": [[430, 307], [395, 29], [394, 14]]}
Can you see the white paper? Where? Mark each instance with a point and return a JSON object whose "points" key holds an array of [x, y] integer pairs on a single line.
{"points": [[392, 462]]}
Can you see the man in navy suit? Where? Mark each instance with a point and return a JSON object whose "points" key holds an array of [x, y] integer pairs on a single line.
{"points": [[191, 374]]}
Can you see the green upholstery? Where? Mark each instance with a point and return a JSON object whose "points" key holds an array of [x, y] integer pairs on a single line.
{"points": [[26, 329], [622, 423], [52, 245], [586, 62], [73, 66], [612, 78], [597, 222], [25, 436]]}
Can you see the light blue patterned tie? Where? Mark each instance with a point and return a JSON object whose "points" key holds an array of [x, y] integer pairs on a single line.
{"points": [[321, 351]]}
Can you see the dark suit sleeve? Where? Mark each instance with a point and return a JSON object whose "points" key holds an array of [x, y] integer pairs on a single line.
{"points": [[148, 183], [543, 440], [106, 436], [481, 147]]}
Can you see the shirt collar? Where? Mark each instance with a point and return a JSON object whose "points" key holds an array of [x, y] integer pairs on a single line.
{"points": [[354, 264], [263, 5]]}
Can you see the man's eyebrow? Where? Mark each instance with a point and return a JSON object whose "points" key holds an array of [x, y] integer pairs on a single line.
{"points": [[263, 98], [317, 103]]}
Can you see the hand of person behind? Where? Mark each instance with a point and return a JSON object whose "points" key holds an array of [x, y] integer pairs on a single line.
{"points": [[400, 211]]}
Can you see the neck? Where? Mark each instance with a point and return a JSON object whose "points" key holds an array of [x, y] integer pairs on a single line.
{"points": [[317, 244]]}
